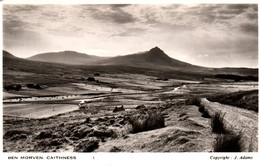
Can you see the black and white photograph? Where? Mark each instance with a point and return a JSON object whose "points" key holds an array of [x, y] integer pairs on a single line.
{"points": [[130, 78]]}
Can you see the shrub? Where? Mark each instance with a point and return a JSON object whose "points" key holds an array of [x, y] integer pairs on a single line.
{"points": [[146, 121], [217, 123], [118, 109], [202, 109], [34, 86], [13, 87], [206, 115], [96, 74], [30, 85], [18, 87], [140, 107], [37, 86], [204, 112], [91, 79], [230, 142], [89, 109]]}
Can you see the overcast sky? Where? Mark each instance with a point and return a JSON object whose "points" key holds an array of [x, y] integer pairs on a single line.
{"points": [[208, 35]]}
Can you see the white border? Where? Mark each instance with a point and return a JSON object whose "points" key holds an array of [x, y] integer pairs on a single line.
{"points": [[125, 159]]}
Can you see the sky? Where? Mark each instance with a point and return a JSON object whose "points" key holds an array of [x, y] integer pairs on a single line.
{"points": [[212, 35]]}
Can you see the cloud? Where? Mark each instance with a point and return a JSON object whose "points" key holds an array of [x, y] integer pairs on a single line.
{"points": [[252, 16], [249, 28], [113, 13], [131, 32], [21, 8], [203, 56], [238, 6], [119, 5]]}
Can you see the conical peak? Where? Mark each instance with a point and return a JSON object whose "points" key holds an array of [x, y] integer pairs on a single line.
{"points": [[156, 50]]}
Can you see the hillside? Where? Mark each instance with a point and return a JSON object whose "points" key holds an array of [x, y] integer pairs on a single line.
{"points": [[65, 57], [242, 99], [7, 55]]}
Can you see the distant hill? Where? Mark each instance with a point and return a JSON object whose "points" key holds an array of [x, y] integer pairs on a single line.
{"points": [[7, 55], [65, 57]]}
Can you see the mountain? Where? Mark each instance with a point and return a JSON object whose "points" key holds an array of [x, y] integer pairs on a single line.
{"points": [[65, 57], [154, 58]]}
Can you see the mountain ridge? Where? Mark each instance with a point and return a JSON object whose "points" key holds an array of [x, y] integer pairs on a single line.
{"points": [[153, 59], [65, 57]]}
